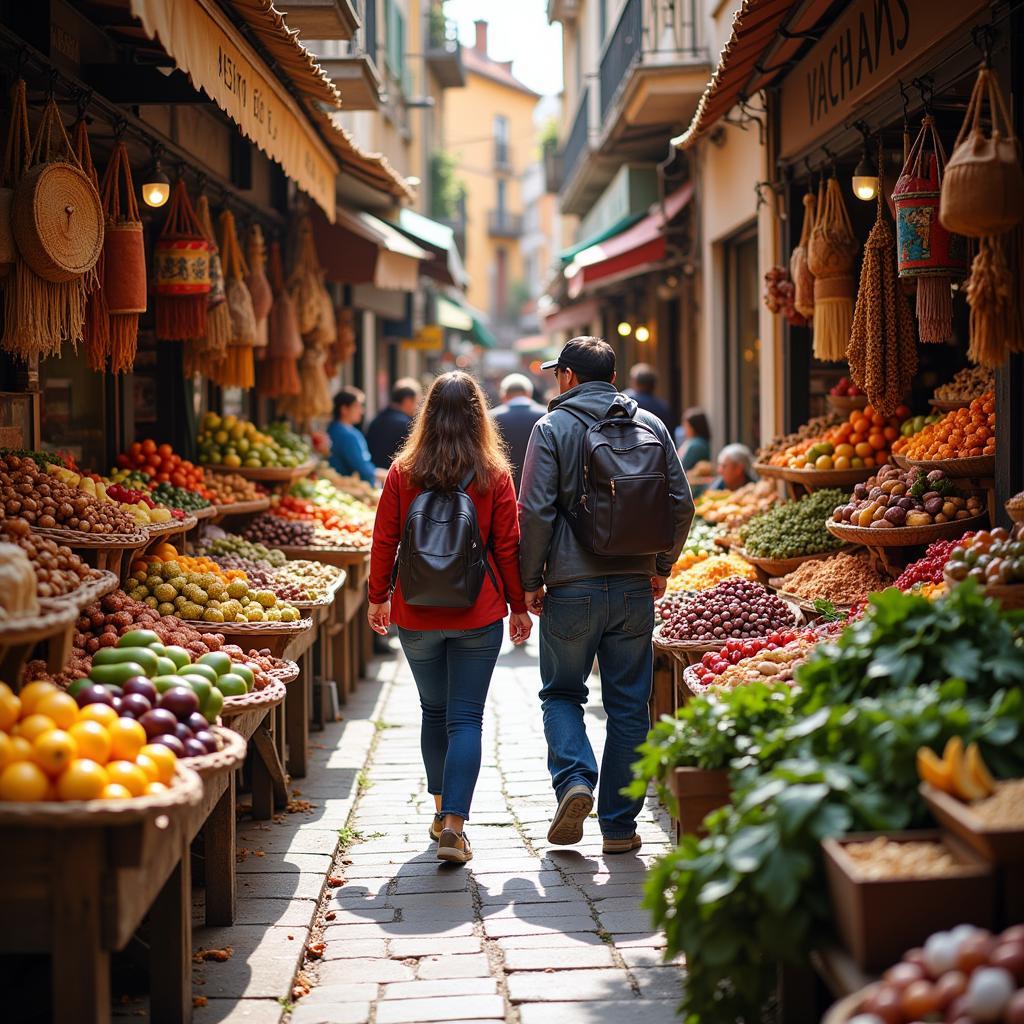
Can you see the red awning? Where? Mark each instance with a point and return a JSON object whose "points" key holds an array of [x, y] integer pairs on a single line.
{"points": [[568, 318], [631, 251]]}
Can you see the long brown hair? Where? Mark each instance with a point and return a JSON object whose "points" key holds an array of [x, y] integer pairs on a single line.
{"points": [[451, 436]]}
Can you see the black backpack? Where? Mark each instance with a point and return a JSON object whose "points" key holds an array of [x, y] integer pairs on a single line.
{"points": [[623, 506], [442, 560]]}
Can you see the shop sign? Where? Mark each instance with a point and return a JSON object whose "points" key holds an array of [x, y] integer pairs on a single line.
{"points": [[221, 63], [859, 55], [429, 338]]}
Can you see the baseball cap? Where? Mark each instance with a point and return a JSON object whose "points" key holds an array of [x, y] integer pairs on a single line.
{"points": [[592, 357]]}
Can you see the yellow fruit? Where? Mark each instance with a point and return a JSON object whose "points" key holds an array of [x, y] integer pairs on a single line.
{"points": [[10, 708], [102, 713], [128, 775], [92, 739], [23, 782], [6, 750], [933, 769], [34, 726], [61, 707], [961, 781], [978, 770], [33, 693], [149, 767], [127, 738], [115, 791], [54, 751], [164, 758], [155, 787], [823, 463], [82, 780], [21, 749]]}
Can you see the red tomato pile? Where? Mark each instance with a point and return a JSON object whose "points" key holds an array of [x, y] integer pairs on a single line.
{"points": [[714, 663], [295, 508], [164, 465]]}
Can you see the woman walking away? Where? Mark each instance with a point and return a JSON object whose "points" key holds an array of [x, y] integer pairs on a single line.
{"points": [[444, 568]]}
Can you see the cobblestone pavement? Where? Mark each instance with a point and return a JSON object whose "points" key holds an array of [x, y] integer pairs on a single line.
{"points": [[526, 933]]}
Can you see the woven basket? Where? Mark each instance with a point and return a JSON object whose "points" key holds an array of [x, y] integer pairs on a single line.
{"points": [[92, 589], [1009, 595], [186, 790], [154, 530], [268, 697], [805, 605], [274, 636], [781, 566], [904, 536], [1016, 514], [827, 477], [693, 684], [243, 508], [287, 673], [26, 629], [705, 647], [78, 539], [228, 758], [948, 405], [329, 598], [57, 219], [978, 466], [769, 472], [846, 403]]}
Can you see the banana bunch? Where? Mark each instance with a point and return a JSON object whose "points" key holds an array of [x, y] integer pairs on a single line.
{"points": [[960, 772]]}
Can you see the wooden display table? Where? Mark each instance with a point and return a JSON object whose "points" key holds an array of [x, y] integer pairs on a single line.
{"points": [[78, 880], [254, 717]]}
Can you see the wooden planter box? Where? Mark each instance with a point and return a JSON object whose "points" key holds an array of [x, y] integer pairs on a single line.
{"points": [[880, 919], [698, 792]]}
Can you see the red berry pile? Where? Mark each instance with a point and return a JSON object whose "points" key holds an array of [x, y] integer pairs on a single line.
{"points": [[928, 568], [735, 608], [714, 663]]}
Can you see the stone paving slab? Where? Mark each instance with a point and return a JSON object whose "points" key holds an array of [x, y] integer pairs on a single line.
{"points": [[662, 1011]]}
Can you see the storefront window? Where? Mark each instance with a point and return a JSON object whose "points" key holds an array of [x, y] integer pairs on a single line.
{"points": [[742, 340], [73, 409]]}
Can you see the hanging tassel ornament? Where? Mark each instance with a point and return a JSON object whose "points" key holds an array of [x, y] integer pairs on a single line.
{"points": [[237, 369], [96, 329], [124, 260], [212, 347], [831, 252], [883, 349], [259, 287], [181, 271], [278, 372], [927, 252], [803, 279], [994, 295]]}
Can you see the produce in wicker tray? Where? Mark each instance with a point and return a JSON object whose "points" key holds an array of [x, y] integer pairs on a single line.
{"points": [[701, 538], [273, 531], [731, 509], [711, 570], [929, 567], [795, 528], [353, 486], [733, 608], [17, 584], [58, 570], [230, 441], [352, 512], [714, 663], [163, 465], [861, 441], [841, 579], [151, 562], [232, 544], [989, 556], [138, 504], [960, 434], [230, 489], [812, 428], [845, 388], [178, 497], [289, 440], [967, 384], [896, 498], [44, 501]]}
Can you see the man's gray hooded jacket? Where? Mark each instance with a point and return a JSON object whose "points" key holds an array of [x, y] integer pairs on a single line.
{"points": [[549, 552]]}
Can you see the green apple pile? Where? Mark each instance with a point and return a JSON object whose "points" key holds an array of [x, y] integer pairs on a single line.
{"points": [[230, 441]]}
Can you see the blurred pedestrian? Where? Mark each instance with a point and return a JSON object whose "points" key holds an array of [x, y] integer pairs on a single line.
{"points": [[643, 382], [515, 418], [349, 453], [735, 468], [696, 444], [390, 427]]}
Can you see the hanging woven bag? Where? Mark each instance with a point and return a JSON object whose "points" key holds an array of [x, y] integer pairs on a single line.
{"points": [[304, 283], [259, 287], [96, 329], [983, 187], [181, 272], [16, 156], [831, 252], [799, 272], [218, 317], [926, 251], [279, 373], [124, 260], [237, 369]]}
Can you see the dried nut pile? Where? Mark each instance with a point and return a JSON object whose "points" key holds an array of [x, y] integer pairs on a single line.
{"points": [[274, 531], [967, 384], [59, 571], [841, 579], [230, 489], [885, 858], [732, 509], [795, 528], [733, 608], [707, 572], [770, 666], [44, 501], [1005, 808], [896, 498]]}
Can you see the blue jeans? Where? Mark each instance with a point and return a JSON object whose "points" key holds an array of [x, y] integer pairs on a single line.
{"points": [[612, 618], [452, 669]]}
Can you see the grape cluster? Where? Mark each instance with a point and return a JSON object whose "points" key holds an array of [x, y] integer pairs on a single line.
{"points": [[735, 608]]}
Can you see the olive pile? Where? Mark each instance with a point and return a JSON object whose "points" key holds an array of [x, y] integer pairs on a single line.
{"points": [[794, 528], [733, 609], [44, 501], [59, 571], [177, 497], [232, 544]]}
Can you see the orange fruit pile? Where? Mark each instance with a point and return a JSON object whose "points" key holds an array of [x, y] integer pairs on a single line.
{"points": [[863, 441], [189, 563], [960, 434], [50, 749]]}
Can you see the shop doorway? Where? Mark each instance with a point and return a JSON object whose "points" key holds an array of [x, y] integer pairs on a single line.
{"points": [[742, 339]]}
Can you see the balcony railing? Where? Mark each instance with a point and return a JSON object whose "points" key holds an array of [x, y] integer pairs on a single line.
{"points": [[444, 52], [502, 156], [502, 224], [647, 31], [579, 136]]}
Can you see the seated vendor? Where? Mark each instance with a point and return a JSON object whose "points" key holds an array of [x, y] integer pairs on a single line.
{"points": [[735, 468]]}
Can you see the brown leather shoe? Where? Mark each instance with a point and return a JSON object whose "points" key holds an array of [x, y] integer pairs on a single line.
{"points": [[435, 827], [627, 845], [567, 824], [454, 847]]}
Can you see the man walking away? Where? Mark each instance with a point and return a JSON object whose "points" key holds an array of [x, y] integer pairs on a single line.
{"points": [[593, 599], [515, 418], [643, 382], [390, 427]]}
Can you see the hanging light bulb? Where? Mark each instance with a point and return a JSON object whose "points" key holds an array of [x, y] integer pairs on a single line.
{"points": [[642, 334], [156, 186], [865, 176], [625, 328]]}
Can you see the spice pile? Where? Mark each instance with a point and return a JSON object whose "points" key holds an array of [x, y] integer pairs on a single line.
{"points": [[881, 858], [842, 579], [58, 570], [795, 528], [731, 509], [1004, 808], [735, 608], [960, 434], [967, 384], [705, 572]]}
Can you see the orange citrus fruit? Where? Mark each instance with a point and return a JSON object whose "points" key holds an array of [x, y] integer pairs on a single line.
{"points": [[130, 776], [21, 749], [61, 707], [54, 751], [149, 767], [33, 693], [24, 782], [155, 787], [35, 725], [127, 738], [10, 708], [6, 750], [102, 713], [115, 791], [92, 739], [82, 780], [163, 757]]}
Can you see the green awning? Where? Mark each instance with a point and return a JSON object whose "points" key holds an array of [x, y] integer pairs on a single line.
{"points": [[567, 255], [440, 239], [457, 315]]}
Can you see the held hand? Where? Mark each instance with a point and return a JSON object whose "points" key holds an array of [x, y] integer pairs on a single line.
{"points": [[658, 585], [520, 625], [379, 617], [535, 600]]}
